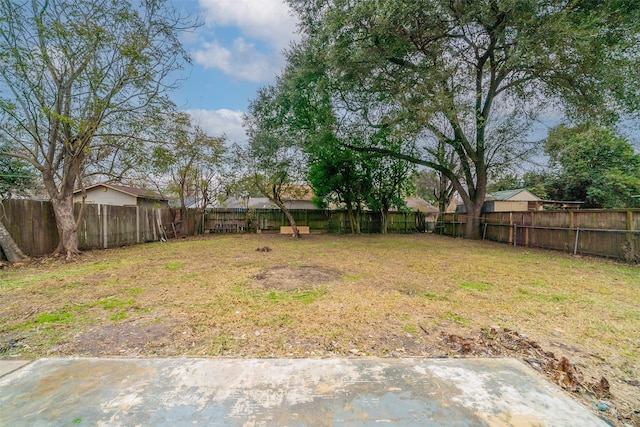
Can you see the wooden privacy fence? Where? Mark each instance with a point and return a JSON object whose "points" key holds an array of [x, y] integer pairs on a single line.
{"points": [[33, 227], [32, 223], [270, 220], [613, 233]]}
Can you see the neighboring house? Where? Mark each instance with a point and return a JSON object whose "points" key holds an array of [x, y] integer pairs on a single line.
{"points": [[520, 200], [192, 203], [416, 204], [120, 195], [264, 203], [430, 212]]}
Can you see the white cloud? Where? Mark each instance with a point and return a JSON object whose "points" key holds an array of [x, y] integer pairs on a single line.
{"points": [[267, 20], [262, 30], [218, 122], [242, 60]]}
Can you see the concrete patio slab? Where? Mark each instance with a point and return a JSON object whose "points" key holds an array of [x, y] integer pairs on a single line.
{"points": [[296, 392], [8, 366]]}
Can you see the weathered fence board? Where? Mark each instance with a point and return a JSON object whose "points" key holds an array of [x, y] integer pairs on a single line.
{"points": [[32, 225], [609, 233]]}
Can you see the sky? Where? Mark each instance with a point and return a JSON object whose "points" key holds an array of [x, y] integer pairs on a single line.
{"points": [[237, 49]]}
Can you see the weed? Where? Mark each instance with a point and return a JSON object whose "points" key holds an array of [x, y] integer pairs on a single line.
{"points": [[434, 296], [475, 286], [451, 316], [220, 344], [116, 317], [174, 265], [63, 317], [410, 328], [111, 303]]}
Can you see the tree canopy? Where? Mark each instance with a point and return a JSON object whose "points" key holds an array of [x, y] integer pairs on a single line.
{"points": [[591, 163], [473, 75]]}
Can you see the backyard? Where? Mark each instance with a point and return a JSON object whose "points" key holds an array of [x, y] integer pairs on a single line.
{"points": [[575, 320]]}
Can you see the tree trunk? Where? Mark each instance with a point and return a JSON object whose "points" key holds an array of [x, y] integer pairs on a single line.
{"points": [[354, 221], [292, 222], [9, 246], [383, 221], [65, 221], [472, 227]]}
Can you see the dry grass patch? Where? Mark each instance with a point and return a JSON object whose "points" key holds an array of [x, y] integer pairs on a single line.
{"points": [[325, 295]]}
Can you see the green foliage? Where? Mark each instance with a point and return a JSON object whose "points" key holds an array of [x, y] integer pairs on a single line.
{"points": [[434, 187], [273, 163], [16, 175], [468, 78], [592, 164]]}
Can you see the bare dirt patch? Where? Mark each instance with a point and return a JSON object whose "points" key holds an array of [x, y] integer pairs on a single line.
{"points": [[123, 339], [290, 278]]}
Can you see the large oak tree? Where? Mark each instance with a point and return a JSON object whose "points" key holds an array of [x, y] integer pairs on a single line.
{"points": [[473, 75]]}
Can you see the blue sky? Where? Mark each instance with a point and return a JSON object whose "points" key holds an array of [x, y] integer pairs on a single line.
{"points": [[237, 50]]}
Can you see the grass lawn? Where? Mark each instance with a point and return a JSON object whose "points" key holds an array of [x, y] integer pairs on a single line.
{"points": [[327, 295]]}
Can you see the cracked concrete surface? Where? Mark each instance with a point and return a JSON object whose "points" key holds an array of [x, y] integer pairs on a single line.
{"points": [[284, 392]]}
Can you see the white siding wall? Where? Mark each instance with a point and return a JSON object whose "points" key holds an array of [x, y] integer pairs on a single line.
{"points": [[98, 195]]}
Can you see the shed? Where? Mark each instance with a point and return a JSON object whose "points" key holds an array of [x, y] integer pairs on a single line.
{"points": [[120, 195]]}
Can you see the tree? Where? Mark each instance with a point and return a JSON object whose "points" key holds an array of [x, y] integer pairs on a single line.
{"points": [[389, 180], [192, 159], [339, 177], [16, 175], [82, 81], [591, 163], [274, 161], [16, 178], [472, 75], [434, 187]]}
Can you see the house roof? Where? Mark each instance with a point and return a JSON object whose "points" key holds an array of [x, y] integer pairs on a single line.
{"points": [[132, 191], [509, 194], [420, 205], [298, 192]]}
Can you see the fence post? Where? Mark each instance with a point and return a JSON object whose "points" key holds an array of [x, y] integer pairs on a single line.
{"points": [[631, 255], [105, 227], [510, 227], [137, 224], [571, 227], [515, 234], [575, 246]]}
